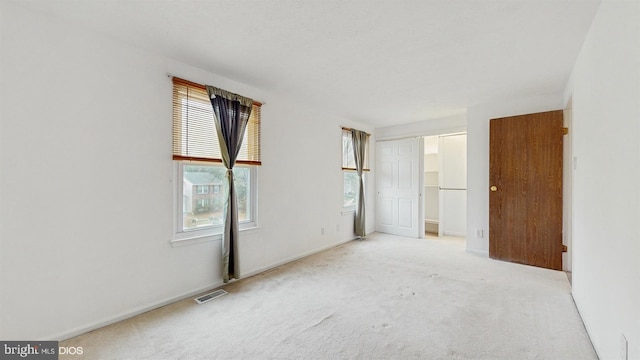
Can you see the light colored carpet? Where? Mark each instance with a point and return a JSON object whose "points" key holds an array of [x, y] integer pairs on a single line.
{"points": [[384, 297]]}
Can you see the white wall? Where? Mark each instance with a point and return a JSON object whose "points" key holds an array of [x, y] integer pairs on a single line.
{"points": [[87, 181], [605, 89], [478, 158]]}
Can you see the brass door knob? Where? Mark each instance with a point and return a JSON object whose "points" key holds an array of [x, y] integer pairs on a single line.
{"points": [[494, 188]]}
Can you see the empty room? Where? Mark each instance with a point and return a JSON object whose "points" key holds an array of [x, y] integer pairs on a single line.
{"points": [[439, 179]]}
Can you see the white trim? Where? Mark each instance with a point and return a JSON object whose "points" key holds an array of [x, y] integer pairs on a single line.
{"points": [[453, 134], [294, 258], [477, 252], [195, 240], [438, 132], [129, 314], [142, 309], [348, 210], [201, 239], [448, 233], [253, 198]]}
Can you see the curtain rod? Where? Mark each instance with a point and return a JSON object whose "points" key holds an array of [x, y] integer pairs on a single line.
{"points": [[200, 86], [349, 129]]}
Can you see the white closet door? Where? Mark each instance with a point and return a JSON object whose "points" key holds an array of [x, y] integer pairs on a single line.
{"points": [[398, 167]]}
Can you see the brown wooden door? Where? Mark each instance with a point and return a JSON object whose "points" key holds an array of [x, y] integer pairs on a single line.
{"points": [[525, 198]]}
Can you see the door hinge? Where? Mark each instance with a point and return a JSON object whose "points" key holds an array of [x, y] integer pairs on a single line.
{"points": [[564, 248], [565, 131]]}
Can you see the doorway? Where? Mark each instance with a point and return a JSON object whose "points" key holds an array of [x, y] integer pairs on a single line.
{"points": [[445, 184], [421, 185]]}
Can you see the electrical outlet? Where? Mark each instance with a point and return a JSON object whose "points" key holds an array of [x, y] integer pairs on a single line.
{"points": [[321, 231], [479, 233], [624, 348]]}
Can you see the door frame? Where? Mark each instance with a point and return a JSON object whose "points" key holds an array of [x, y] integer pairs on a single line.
{"points": [[567, 187], [423, 134]]}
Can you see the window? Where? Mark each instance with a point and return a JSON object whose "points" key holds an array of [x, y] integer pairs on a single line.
{"points": [[351, 185], [204, 211], [201, 185], [202, 189], [203, 202], [194, 132], [351, 188], [348, 160]]}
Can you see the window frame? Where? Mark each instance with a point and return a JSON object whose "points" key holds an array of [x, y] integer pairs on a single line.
{"points": [[347, 170], [350, 208], [251, 161], [367, 167], [184, 236]]}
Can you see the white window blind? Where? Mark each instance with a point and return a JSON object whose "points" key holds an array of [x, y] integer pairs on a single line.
{"points": [[194, 131], [348, 159]]}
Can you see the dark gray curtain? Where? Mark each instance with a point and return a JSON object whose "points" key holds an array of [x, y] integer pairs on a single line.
{"points": [[231, 117], [359, 139]]}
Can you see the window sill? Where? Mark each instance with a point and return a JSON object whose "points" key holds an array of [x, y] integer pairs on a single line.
{"points": [[186, 239], [348, 210]]}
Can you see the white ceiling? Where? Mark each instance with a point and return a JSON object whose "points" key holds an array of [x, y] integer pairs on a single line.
{"points": [[380, 62]]}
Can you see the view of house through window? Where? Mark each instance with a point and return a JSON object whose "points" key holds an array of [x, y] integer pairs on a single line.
{"points": [[203, 194], [351, 184]]}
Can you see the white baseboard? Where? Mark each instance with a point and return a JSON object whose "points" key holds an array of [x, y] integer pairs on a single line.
{"points": [[478, 252], [126, 315], [448, 233], [292, 259], [143, 309]]}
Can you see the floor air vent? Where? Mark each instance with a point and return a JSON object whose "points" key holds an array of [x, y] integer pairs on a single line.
{"points": [[210, 296]]}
